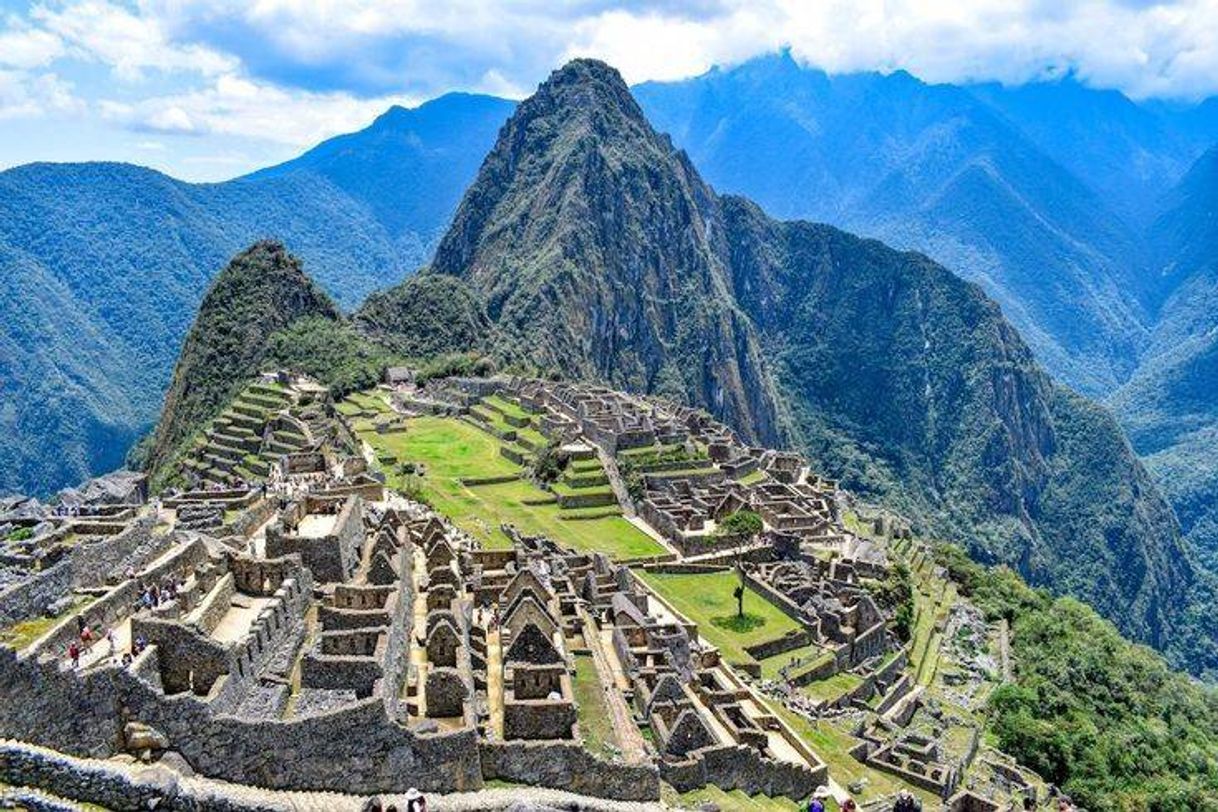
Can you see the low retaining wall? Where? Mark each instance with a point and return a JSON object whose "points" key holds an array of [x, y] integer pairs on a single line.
{"points": [[122, 788], [735, 767], [567, 766], [489, 480]]}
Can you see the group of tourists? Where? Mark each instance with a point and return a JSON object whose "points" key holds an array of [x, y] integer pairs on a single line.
{"points": [[153, 595], [87, 638], [415, 802]]}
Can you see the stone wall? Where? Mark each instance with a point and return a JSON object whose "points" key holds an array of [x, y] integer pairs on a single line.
{"points": [[90, 563], [215, 604], [355, 749], [781, 645], [735, 767], [252, 518], [537, 719], [566, 765]]}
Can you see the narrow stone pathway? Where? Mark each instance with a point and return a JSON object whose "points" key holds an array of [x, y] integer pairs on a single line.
{"points": [[629, 738], [494, 682]]}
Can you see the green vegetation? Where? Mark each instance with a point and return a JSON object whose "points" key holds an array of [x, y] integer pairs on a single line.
{"points": [[20, 534], [331, 352], [22, 634], [450, 450], [595, 720], [743, 523], [707, 600], [1104, 718], [260, 292], [426, 316], [456, 364], [105, 265], [896, 595], [833, 745]]}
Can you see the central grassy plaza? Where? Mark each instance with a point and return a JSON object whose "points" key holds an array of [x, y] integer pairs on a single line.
{"points": [[454, 454]]}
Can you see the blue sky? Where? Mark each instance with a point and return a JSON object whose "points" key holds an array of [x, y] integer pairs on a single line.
{"points": [[209, 89]]}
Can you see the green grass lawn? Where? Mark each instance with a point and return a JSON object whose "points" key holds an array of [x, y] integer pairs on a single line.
{"points": [[707, 600], [734, 800], [595, 721], [808, 655], [832, 687], [833, 745], [358, 402], [20, 635], [566, 490], [752, 478], [507, 407], [453, 450]]}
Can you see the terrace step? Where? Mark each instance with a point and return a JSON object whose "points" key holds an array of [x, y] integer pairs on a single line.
{"points": [[218, 463], [270, 404], [250, 423], [226, 452], [592, 479], [248, 410], [258, 465], [267, 391]]}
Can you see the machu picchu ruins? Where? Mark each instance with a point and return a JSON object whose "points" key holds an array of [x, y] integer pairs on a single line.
{"points": [[469, 583]]}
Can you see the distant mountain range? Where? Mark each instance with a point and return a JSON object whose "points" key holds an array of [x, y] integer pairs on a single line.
{"points": [[105, 264], [1079, 211], [1086, 216]]}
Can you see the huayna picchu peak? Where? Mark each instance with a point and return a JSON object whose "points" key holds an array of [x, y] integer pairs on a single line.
{"points": [[629, 494], [594, 245]]}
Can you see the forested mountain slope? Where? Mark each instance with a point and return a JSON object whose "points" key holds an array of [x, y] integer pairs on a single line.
{"points": [[929, 167], [104, 264], [1170, 407]]}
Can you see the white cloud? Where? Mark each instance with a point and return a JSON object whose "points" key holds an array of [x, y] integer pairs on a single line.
{"points": [[128, 43], [22, 46], [237, 106], [292, 72], [29, 95], [1165, 49]]}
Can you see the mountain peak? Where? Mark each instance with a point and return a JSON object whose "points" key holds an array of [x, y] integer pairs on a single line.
{"points": [[587, 90], [262, 289], [584, 229]]}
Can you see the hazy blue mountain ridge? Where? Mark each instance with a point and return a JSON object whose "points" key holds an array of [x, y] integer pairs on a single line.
{"points": [[105, 264]]}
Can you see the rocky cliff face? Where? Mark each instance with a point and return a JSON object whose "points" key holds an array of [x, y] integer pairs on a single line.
{"points": [[262, 290], [600, 253], [907, 382]]}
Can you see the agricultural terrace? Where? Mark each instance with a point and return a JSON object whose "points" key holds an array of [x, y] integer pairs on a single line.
{"points": [[453, 454]]}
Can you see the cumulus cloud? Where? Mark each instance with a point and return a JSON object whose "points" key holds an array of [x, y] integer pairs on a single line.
{"points": [[236, 106], [370, 47], [30, 95], [290, 72], [23, 46], [129, 43]]}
